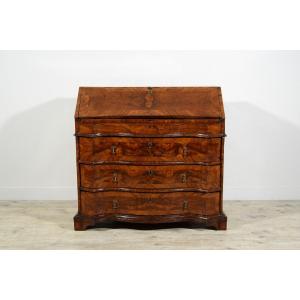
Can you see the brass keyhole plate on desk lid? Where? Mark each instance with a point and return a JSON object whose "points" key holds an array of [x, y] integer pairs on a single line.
{"points": [[149, 99]]}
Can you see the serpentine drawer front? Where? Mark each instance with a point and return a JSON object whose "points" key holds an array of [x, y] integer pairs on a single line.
{"points": [[150, 149], [150, 155], [206, 178], [156, 204]]}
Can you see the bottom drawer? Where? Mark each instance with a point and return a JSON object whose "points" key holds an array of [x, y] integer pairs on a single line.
{"points": [[101, 203]]}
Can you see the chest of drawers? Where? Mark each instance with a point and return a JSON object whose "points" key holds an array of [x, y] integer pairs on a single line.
{"points": [[150, 155]]}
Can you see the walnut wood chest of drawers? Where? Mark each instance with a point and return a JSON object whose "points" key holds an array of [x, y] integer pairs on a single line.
{"points": [[150, 155]]}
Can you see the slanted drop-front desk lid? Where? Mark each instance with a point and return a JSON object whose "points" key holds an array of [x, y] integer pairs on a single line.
{"points": [[149, 102]]}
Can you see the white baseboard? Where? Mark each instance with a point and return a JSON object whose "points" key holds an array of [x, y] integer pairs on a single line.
{"points": [[70, 193]]}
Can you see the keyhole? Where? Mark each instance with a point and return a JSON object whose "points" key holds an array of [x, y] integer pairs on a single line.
{"points": [[185, 204], [113, 149], [115, 177]]}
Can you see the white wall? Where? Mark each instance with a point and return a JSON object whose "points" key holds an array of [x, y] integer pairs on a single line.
{"points": [[261, 92]]}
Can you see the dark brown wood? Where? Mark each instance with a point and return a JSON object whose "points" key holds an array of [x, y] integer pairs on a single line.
{"points": [[150, 155], [141, 190], [133, 102], [179, 176], [125, 203], [218, 222], [150, 149], [150, 126]]}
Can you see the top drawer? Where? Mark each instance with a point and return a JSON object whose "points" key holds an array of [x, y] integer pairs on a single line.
{"points": [[150, 127]]}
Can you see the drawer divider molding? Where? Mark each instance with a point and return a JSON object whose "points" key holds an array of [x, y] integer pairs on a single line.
{"points": [[141, 190], [168, 135], [150, 163]]}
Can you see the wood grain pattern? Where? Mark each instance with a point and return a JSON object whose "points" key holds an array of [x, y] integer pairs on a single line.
{"points": [[131, 102], [219, 222], [150, 149], [180, 176], [150, 155], [149, 203], [150, 126]]}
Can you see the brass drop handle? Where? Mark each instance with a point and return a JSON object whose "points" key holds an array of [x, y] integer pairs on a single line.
{"points": [[150, 145], [185, 204], [150, 173], [183, 178], [115, 204], [185, 151], [113, 149], [115, 177]]}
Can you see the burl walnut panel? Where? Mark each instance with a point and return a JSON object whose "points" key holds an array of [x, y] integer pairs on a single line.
{"points": [[150, 149], [150, 126], [185, 203], [167, 102], [150, 155], [127, 176]]}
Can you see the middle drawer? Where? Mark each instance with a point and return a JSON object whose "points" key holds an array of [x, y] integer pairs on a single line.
{"points": [[134, 176]]}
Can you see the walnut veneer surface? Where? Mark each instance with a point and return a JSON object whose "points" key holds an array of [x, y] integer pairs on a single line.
{"points": [[150, 155]]}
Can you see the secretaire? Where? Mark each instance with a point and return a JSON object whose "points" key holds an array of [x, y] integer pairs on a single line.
{"points": [[150, 155]]}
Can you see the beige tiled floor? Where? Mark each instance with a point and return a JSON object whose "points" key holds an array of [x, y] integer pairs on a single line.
{"points": [[49, 225]]}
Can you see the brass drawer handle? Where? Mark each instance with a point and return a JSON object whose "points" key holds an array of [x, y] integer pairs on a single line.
{"points": [[150, 145], [185, 151], [115, 177], [115, 204], [150, 173], [183, 178], [113, 149], [185, 204]]}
